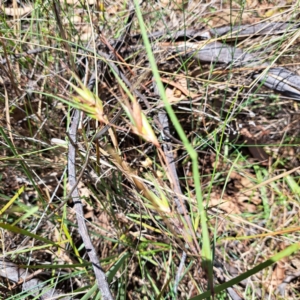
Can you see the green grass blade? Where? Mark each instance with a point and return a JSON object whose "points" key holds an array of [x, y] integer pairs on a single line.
{"points": [[206, 251], [286, 252]]}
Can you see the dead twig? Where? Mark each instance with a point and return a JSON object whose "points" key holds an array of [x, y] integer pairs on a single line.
{"points": [[83, 231]]}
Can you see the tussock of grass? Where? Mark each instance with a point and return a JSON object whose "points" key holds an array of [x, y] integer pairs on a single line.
{"points": [[234, 146]]}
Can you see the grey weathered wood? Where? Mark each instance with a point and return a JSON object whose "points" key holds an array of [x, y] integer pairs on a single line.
{"points": [[33, 286], [277, 78]]}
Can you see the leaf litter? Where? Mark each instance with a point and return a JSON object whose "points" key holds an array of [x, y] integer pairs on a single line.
{"points": [[261, 129]]}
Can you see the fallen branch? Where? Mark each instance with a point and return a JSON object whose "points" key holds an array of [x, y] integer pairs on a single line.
{"points": [[34, 287], [83, 231]]}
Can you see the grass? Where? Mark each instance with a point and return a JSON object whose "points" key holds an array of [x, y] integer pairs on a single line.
{"points": [[240, 221]]}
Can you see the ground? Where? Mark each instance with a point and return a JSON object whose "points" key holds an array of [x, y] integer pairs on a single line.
{"points": [[144, 204]]}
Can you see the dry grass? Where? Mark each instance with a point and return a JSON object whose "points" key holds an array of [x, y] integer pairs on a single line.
{"points": [[246, 138]]}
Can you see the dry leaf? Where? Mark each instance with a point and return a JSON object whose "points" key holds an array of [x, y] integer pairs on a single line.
{"points": [[173, 98], [17, 12], [225, 204], [180, 91], [277, 277], [241, 201]]}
